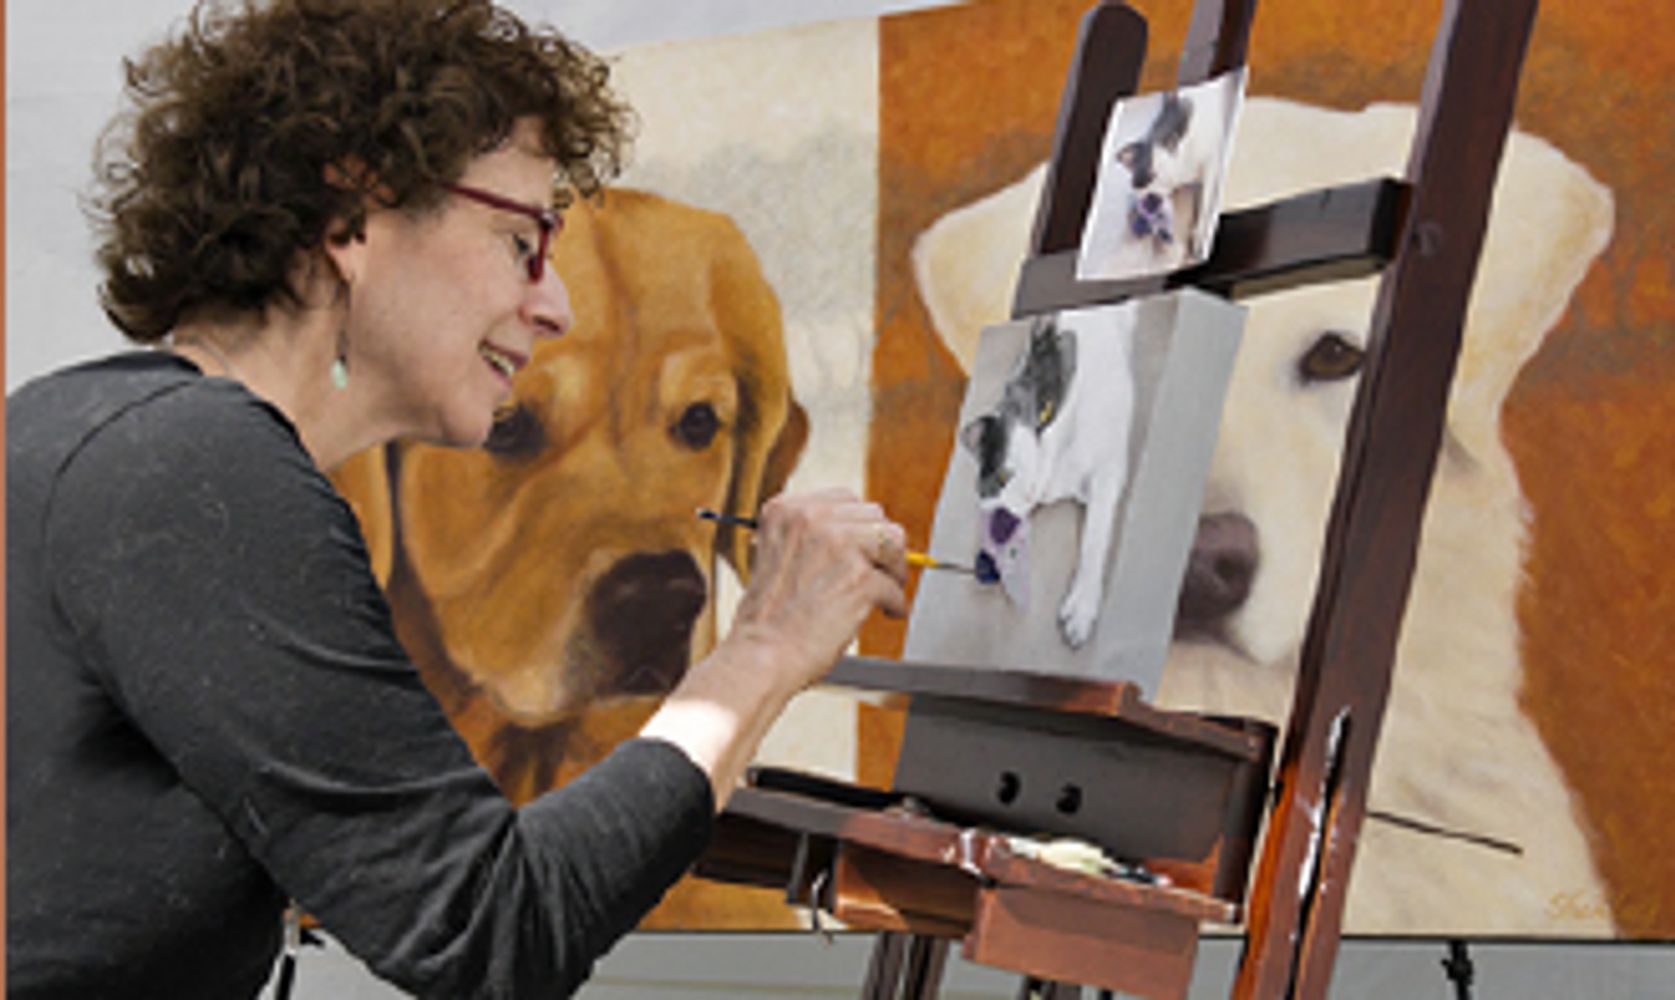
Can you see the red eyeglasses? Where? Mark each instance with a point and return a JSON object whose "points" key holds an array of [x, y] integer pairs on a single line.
{"points": [[547, 222]]}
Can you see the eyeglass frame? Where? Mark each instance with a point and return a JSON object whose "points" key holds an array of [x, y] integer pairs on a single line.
{"points": [[547, 221]]}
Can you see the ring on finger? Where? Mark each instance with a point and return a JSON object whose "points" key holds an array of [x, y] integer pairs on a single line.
{"points": [[883, 544]]}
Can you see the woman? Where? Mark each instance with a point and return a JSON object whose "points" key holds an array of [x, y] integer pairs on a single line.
{"points": [[329, 218]]}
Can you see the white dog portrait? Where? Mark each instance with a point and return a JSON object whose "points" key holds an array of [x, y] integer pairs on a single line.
{"points": [[1458, 754], [1157, 194], [1052, 437], [1083, 443]]}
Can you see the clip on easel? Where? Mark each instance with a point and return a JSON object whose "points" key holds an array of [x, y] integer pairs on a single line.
{"points": [[1183, 795]]}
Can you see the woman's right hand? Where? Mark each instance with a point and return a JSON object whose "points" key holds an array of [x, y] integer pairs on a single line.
{"points": [[823, 562]]}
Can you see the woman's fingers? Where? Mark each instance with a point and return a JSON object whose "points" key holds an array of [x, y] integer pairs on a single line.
{"points": [[826, 560], [877, 539], [890, 596], [886, 548]]}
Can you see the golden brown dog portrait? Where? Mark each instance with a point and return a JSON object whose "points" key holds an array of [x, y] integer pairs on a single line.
{"points": [[552, 585]]}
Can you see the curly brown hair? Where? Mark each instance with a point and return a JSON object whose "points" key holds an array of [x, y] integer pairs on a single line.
{"points": [[263, 124]]}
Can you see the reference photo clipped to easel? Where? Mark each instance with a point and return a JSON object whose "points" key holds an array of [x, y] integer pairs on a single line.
{"points": [[1044, 812]]}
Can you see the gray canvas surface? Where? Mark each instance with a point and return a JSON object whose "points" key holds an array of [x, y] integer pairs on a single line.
{"points": [[1185, 343]]}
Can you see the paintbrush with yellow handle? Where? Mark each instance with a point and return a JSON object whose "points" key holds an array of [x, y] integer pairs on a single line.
{"points": [[919, 559]]}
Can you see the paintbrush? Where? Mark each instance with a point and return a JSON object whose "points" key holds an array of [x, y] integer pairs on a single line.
{"points": [[918, 559]]}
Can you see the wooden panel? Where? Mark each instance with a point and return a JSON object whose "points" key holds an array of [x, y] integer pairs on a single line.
{"points": [[749, 852], [1068, 695], [1318, 236], [1217, 40], [1243, 815], [999, 864], [1137, 796], [1110, 52], [1050, 936], [1328, 235], [915, 841], [910, 836], [875, 890]]}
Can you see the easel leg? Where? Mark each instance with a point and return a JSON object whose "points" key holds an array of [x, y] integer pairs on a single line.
{"points": [[925, 958], [1041, 989], [1459, 969], [884, 971], [905, 967]]}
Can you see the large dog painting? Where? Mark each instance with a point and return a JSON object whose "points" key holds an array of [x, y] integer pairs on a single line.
{"points": [[816, 224], [1461, 770], [555, 584]]}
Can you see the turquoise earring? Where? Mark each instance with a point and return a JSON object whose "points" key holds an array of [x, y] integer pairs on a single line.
{"points": [[340, 364]]}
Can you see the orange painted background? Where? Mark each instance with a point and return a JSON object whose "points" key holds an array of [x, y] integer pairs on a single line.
{"points": [[969, 97]]}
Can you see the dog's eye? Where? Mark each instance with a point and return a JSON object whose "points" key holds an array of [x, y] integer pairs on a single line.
{"points": [[697, 426], [517, 433], [1332, 356]]}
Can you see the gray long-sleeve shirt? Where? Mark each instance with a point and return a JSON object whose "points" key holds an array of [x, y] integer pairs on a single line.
{"points": [[208, 711]]}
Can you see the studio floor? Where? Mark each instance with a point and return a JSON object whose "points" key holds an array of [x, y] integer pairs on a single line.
{"points": [[806, 966]]}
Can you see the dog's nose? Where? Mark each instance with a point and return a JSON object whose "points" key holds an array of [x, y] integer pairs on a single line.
{"points": [[1151, 202], [1003, 524], [1219, 573], [642, 612]]}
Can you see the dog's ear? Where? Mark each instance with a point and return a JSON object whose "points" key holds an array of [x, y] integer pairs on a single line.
{"points": [[966, 264], [1049, 363], [1550, 220], [364, 482], [1055, 382], [1173, 119], [971, 435], [1043, 344], [771, 428], [786, 451]]}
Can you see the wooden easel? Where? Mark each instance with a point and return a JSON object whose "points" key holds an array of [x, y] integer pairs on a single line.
{"points": [[1195, 790]]}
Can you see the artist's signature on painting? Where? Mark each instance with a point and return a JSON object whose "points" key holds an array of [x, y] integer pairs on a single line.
{"points": [[1589, 905]]}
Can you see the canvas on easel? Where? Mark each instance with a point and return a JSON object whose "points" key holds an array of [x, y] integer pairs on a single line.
{"points": [[1073, 491]]}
